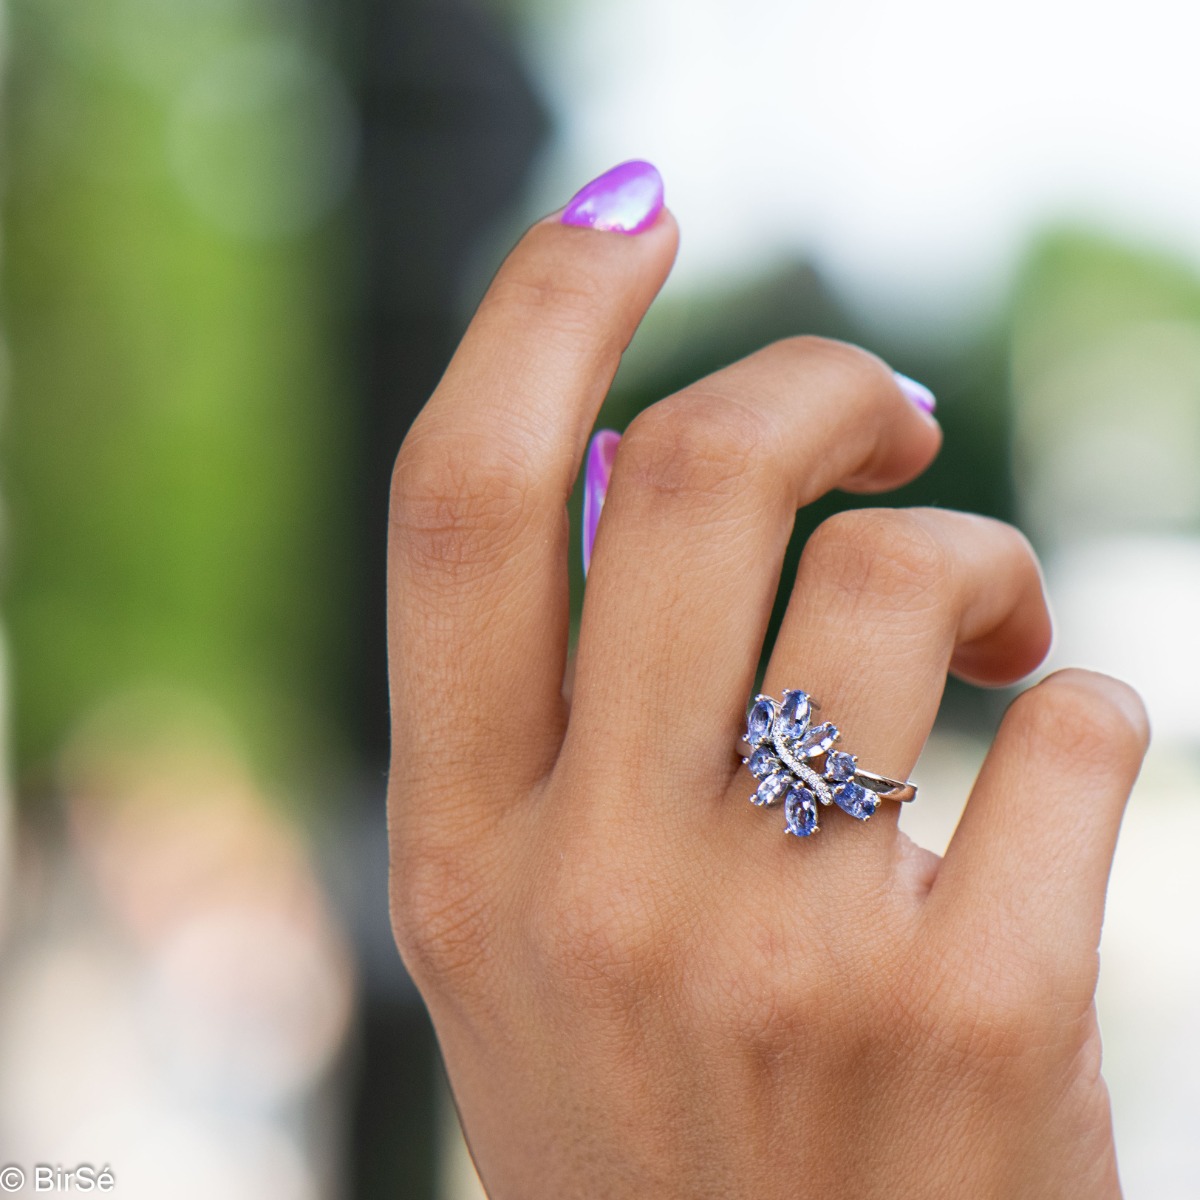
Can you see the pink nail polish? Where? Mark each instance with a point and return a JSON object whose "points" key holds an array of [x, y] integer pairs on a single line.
{"points": [[918, 393], [602, 451], [626, 198]]}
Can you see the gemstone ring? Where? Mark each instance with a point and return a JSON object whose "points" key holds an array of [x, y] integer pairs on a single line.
{"points": [[797, 766]]}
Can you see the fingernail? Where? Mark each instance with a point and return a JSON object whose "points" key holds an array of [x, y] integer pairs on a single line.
{"points": [[918, 393], [602, 450], [626, 198]]}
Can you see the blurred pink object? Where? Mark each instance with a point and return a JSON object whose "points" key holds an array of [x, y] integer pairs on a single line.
{"points": [[602, 451]]}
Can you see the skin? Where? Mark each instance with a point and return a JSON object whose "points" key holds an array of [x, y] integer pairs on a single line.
{"points": [[641, 985]]}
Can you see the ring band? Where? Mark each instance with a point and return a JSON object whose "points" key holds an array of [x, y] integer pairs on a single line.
{"points": [[797, 766]]}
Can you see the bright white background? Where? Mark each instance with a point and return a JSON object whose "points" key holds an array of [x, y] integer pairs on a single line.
{"points": [[909, 147]]}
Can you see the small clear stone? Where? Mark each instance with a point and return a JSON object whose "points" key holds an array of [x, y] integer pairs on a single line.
{"points": [[855, 799], [771, 789], [839, 767], [793, 715], [818, 740], [758, 723], [800, 810], [763, 763]]}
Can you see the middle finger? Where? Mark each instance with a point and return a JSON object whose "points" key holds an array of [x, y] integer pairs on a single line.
{"points": [[686, 562]]}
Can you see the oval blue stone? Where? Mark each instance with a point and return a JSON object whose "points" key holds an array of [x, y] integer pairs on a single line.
{"points": [[759, 721], [793, 715], [855, 799], [771, 789], [800, 810], [763, 763], [839, 767]]}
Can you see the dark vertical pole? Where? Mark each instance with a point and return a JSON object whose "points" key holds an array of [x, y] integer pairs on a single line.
{"points": [[450, 127]]}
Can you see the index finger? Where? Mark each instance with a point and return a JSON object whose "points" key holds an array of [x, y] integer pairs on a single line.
{"points": [[478, 602]]}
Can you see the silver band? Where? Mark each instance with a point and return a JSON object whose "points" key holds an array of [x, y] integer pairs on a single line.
{"points": [[885, 788]]}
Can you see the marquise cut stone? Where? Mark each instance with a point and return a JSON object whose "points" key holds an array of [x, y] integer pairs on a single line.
{"points": [[763, 763], [818, 740], [800, 810], [855, 799]]}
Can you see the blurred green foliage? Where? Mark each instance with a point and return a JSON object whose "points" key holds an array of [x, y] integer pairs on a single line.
{"points": [[175, 446], [1105, 347], [1077, 285]]}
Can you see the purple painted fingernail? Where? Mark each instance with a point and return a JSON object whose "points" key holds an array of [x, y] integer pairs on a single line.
{"points": [[626, 198], [602, 450], [918, 393]]}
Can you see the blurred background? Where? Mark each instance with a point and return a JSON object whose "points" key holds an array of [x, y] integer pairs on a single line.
{"points": [[240, 240]]}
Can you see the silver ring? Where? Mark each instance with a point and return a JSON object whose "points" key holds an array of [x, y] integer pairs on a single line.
{"points": [[797, 766]]}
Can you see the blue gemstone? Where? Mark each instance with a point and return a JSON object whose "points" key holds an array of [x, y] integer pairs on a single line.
{"points": [[856, 800], [763, 763], [793, 715], [771, 789], [839, 767], [758, 723], [800, 810], [818, 740]]}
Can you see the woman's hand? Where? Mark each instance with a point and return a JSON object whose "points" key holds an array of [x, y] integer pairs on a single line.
{"points": [[643, 987]]}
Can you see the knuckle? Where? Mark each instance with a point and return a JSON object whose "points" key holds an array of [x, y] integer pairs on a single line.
{"points": [[886, 552], [442, 921], [838, 369], [755, 998], [459, 503], [773, 1031], [1009, 551], [824, 355], [743, 982], [1018, 545], [978, 1010], [982, 1031], [698, 443], [593, 932], [985, 1007], [1089, 722]]}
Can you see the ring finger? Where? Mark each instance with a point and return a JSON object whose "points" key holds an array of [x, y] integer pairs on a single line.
{"points": [[886, 601]]}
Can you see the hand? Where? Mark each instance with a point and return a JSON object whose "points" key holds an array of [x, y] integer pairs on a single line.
{"points": [[641, 985]]}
